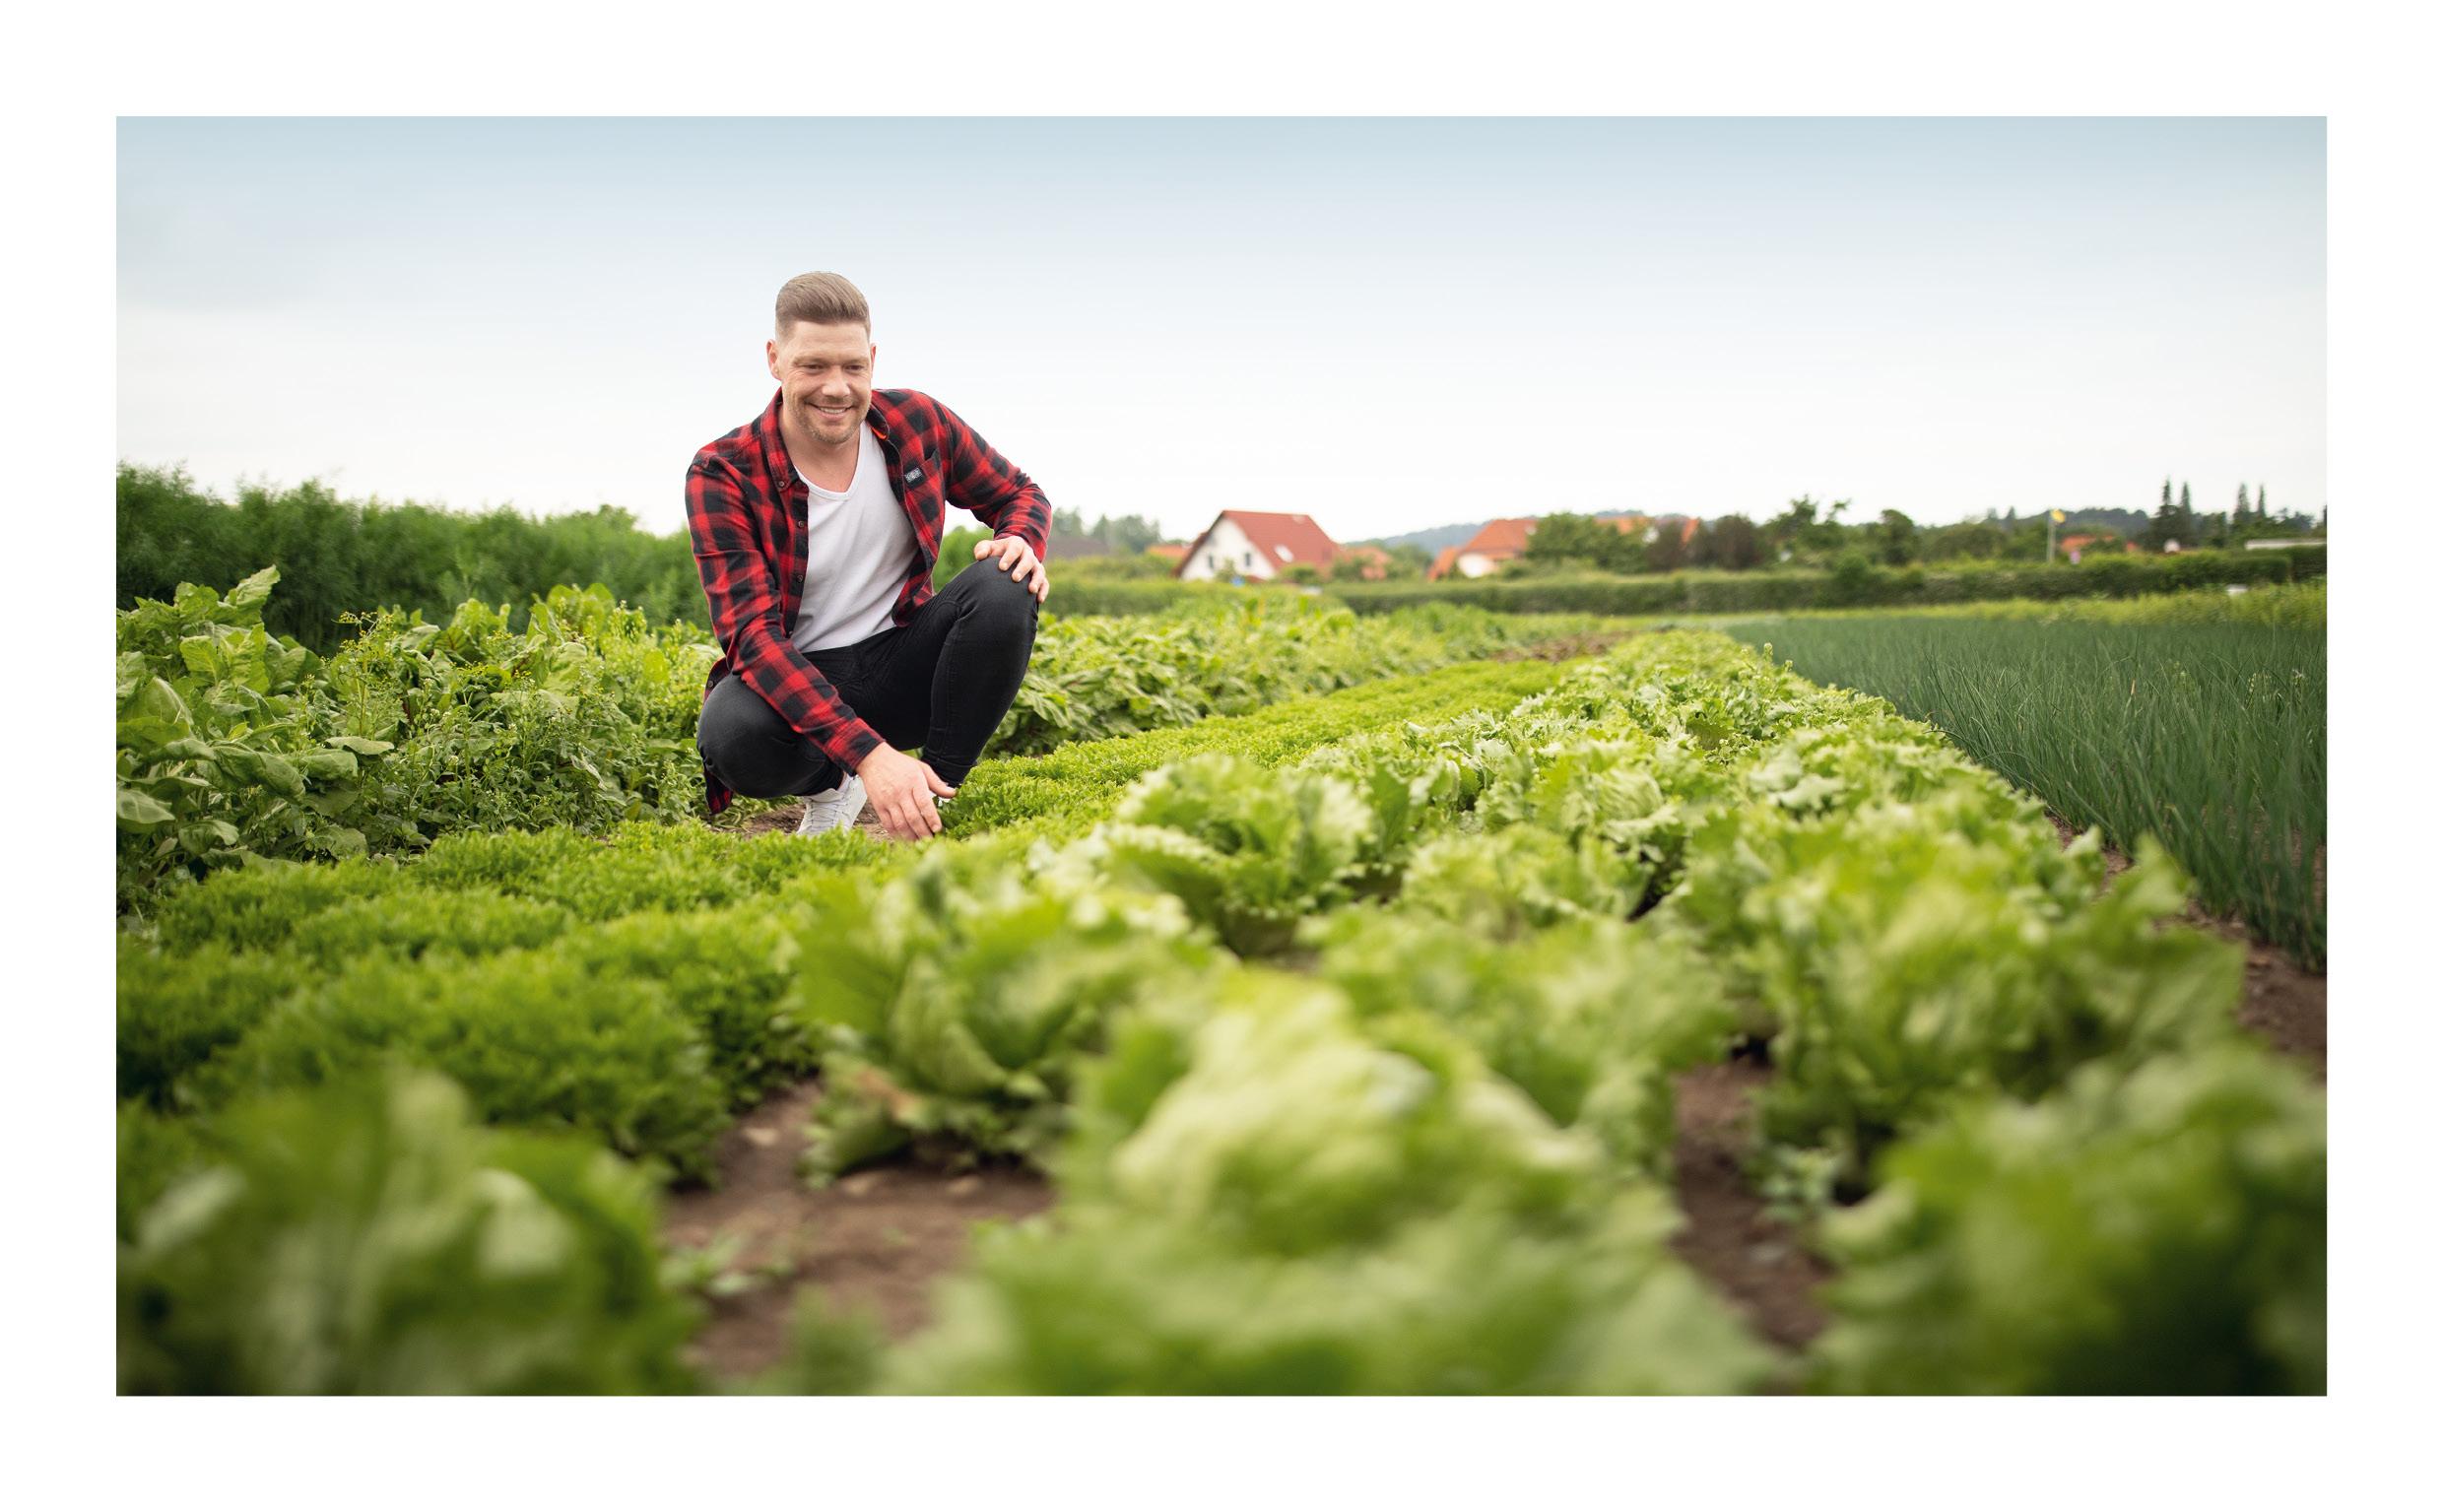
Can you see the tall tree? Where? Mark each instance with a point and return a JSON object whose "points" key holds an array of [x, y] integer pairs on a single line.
{"points": [[1735, 545], [1894, 539], [2239, 511], [1575, 538], [2260, 511]]}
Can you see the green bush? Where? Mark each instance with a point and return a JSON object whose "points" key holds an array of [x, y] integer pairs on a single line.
{"points": [[339, 557]]}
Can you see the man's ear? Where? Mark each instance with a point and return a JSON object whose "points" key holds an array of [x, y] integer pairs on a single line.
{"points": [[771, 358]]}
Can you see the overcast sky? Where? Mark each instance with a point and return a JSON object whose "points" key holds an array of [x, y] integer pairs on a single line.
{"points": [[1386, 324]]}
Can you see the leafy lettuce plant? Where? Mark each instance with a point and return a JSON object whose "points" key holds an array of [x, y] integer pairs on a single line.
{"points": [[1590, 1018], [369, 1238], [1633, 797], [2158, 1230], [1248, 852], [1511, 882], [1262, 1196], [1904, 955], [955, 999]]}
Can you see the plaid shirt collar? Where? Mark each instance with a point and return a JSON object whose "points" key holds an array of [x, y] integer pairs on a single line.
{"points": [[880, 415]]}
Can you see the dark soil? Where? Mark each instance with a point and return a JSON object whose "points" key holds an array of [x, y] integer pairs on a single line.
{"points": [[876, 1240], [2284, 1004], [1749, 1257]]}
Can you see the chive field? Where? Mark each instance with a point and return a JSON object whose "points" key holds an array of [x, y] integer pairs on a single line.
{"points": [[2210, 735]]}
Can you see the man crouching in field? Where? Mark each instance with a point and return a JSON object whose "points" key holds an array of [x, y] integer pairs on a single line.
{"points": [[816, 528]]}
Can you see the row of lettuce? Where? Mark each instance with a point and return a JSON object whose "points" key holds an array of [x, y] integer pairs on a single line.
{"points": [[234, 742], [1349, 1031]]}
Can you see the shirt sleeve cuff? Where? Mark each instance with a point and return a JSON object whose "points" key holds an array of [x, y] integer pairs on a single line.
{"points": [[851, 744]]}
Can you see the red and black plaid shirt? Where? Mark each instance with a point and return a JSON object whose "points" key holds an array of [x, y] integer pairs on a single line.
{"points": [[747, 512]]}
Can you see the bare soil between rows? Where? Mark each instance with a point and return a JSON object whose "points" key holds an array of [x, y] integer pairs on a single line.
{"points": [[2283, 1003], [1752, 1259], [875, 1241]]}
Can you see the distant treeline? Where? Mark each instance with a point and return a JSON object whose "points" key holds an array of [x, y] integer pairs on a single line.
{"points": [[338, 557]]}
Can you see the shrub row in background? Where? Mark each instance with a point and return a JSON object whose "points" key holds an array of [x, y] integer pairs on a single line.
{"points": [[341, 556], [2282, 606], [1858, 584]]}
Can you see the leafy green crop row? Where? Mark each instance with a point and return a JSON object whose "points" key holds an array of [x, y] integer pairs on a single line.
{"points": [[1353, 1057], [234, 743], [1921, 950], [671, 914], [1092, 678]]}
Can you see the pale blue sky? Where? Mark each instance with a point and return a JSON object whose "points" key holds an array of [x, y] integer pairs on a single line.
{"points": [[1384, 323]]}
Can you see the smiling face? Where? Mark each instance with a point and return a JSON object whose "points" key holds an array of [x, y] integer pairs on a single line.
{"points": [[827, 377]]}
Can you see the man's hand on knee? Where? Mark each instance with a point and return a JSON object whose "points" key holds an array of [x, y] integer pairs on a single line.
{"points": [[1018, 559], [901, 790]]}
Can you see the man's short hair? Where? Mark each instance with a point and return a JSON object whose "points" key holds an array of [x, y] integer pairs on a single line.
{"points": [[824, 299]]}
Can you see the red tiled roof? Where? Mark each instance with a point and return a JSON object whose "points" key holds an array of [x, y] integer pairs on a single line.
{"points": [[1500, 539], [1170, 553], [1282, 538], [1442, 564]]}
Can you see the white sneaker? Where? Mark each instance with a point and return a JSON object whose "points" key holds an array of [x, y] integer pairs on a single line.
{"points": [[834, 810]]}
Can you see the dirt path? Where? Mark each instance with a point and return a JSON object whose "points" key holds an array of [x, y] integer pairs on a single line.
{"points": [[876, 1240], [1751, 1258]]}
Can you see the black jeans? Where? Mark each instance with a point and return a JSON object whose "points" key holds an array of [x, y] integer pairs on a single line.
{"points": [[942, 681]]}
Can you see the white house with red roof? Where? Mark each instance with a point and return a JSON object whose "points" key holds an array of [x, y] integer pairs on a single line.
{"points": [[1255, 545]]}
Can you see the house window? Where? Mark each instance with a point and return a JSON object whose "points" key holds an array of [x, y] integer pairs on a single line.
{"points": [[1246, 559]]}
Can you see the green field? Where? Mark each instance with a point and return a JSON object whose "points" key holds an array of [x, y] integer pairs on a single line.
{"points": [[1346, 1034], [2181, 721]]}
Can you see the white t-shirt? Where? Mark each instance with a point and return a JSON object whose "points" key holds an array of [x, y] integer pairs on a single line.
{"points": [[859, 551]]}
